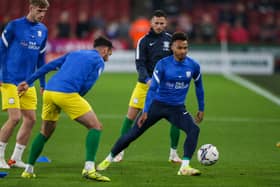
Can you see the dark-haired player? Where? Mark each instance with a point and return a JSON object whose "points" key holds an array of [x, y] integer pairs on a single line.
{"points": [[166, 99], [78, 71]]}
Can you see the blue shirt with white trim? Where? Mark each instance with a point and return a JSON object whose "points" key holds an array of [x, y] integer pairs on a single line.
{"points": [[171, 80], [22, 50], [78, 71]]}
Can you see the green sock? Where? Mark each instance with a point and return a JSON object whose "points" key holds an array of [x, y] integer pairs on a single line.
{"points": [[36, 148], [92, 142], [126, 125], [174, 136]]}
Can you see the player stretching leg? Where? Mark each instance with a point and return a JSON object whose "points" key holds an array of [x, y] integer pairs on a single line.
{"points": [[78, 72], [166, 99]]}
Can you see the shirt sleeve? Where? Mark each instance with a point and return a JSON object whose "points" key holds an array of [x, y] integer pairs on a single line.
{"points": [[7, 37], [199, 89], [141, 58], [57, 63], [42, 61], [157, 74], [92, 78]]}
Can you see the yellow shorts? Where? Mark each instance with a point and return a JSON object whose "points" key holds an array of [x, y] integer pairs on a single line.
{"points": [[11, 99], [138, 96], [71, 103]]}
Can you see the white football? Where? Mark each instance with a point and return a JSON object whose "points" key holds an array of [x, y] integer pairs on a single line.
{"points": [[208, 154]]}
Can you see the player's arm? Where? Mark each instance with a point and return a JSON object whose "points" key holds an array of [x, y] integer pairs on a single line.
{"points": [[57, 63], [199, 95], [91, 78], [41, 62], [151, 92], [0, 73], [1, 76], [6, 39], [141, 58]]}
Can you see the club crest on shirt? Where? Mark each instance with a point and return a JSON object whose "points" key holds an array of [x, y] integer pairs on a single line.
{"points": [[166, 45], [39, 33], [188, 74]]}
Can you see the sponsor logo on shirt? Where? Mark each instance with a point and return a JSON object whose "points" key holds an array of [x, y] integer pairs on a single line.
{"points": [[24, 43], [177, 85], [33, 45], [181, 85], [30, 45]]}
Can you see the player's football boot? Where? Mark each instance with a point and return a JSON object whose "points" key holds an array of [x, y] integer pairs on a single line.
{"points": [[27, 175], [3, 164], [188, 170], [174, 158], [94, 175], [103, 165], [16, 163], [119, 157]]}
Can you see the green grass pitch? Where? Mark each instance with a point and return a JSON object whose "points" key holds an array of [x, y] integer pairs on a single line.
{"points": [[243, 125]]}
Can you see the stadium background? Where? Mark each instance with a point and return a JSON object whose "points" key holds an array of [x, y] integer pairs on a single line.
{"points": [[246, 25]]}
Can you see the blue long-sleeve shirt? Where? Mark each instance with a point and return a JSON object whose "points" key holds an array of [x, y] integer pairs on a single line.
{"points": [[22, 50], [78, 71], [171, 80], [150, 49]]}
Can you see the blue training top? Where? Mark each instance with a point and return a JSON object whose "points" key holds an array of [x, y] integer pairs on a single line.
{"points": [[22, 50], [171, 80], [78, 71]]}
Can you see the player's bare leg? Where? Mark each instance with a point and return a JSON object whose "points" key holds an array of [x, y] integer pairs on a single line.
{"points": [[29, 120], [6, 131]]}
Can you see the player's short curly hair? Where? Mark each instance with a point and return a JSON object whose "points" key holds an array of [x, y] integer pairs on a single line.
{"points": [[40, 3], [159, 13], [179, 36], [102, 41]]}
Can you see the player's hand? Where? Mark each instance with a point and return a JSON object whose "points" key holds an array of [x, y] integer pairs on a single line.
{"points": [[199, 117], [142, 119], [149, 82], [22, 87], [42, 91]]}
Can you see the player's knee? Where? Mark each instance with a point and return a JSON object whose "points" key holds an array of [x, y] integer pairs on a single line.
{"points": [[48, 128], [195, 130], [30, 119], [132, 113], [97, 126], [14, 119]]}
